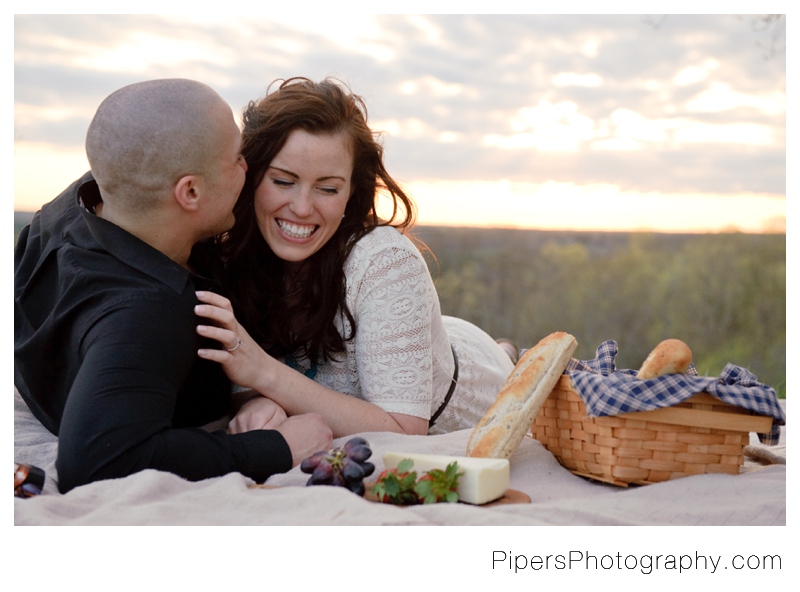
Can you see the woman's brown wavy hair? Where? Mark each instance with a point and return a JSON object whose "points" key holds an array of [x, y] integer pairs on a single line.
{"points": [[299, 317]]}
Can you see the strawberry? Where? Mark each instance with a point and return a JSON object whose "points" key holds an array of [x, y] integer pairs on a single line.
{"points": [[400, 485], [437, 485], [396, 486]]}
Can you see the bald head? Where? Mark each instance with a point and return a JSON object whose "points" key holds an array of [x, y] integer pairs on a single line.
{"points": [[146, 136]]}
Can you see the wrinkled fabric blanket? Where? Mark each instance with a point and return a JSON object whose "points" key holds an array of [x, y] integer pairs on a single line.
{"points": [[757, 496]]}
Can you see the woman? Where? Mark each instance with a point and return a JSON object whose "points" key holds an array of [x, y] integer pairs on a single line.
{"points": [[343, 298]]}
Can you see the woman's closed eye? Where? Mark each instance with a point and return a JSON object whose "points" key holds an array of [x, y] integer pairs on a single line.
{"points": [[324, 190]]}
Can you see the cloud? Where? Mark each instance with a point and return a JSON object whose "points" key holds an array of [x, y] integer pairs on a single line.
{"points": [[546, 127], [572, 79], [690, 105], [719, 96]]}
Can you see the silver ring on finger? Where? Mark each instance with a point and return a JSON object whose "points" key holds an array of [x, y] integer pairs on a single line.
{"points": [[235, 347]]}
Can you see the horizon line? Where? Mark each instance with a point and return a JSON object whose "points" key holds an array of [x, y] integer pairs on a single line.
{"points": [[640, 230]]}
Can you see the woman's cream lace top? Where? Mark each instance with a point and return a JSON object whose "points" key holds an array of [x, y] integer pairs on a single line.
{"points": [[401, 357]]}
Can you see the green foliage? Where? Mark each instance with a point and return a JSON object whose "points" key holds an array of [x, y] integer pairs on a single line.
{"points": [[400, 485], [396, 486], [438, 485], [723, 294]]}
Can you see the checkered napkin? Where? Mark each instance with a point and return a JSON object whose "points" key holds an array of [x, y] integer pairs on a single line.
{"points": [[608, 391]]}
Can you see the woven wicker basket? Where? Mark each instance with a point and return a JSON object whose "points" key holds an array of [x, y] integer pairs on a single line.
{"points": [[701, 435]]}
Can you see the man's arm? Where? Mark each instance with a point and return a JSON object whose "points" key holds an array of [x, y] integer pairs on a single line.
{"points": [[118, 415]]}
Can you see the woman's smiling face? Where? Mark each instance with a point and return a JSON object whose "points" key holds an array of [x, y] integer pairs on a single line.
{"points": [[300, 202]]}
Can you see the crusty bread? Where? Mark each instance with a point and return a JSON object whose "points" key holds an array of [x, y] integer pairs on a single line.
{"points": [[503, 426], [671, 356]]}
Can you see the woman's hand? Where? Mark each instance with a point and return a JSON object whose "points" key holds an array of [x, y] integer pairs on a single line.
{"points": [[258, 413], [241, 357], [247, 365]]}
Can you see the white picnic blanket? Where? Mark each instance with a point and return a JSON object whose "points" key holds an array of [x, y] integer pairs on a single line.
{"points": [[757, 496]]}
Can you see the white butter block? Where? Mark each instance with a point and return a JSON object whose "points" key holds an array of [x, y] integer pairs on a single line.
{"points": [[484, 479]]}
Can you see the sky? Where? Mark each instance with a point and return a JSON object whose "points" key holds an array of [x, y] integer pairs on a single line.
{"points": [[585, 122]]}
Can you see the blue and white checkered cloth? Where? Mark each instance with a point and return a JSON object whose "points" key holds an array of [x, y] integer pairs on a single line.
{"points": [[608, 391]]}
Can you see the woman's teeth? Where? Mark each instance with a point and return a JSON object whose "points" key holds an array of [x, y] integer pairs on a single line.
{"points": [[297, 230]]}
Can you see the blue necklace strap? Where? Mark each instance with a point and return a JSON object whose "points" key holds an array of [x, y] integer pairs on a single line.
{"points": [[292, 363]]}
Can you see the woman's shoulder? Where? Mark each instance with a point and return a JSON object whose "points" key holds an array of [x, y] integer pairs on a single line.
{"points": [[383, 238], [384, 248]]}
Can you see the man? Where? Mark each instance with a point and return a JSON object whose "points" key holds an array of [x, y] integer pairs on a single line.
{"points": [[105, 341]]}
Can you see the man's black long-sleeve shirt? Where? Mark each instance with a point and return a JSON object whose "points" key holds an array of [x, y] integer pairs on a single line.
{"points": [[105, 354]]}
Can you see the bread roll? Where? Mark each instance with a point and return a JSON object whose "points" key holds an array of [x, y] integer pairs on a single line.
{"points": [[671, 356], [501, 429]]}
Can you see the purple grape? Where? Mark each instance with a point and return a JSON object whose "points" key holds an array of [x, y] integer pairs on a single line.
{"points": [[344, 466], [309, 464], [360, 453], [352, 471], [323, 474], [357, 487], [353, 442], [368, 468], [319, 480]]}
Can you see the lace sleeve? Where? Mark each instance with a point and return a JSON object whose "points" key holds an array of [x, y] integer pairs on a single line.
{"points": [[394, 301]]}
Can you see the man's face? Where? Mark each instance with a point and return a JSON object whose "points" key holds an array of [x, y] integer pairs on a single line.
{"points": [[225, 179]]}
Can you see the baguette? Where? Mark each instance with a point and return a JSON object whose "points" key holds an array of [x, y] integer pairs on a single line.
{"points": [[503, 426], [671, 356]]}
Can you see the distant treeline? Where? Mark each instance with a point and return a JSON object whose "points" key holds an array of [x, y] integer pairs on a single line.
{"points": [[723, 294]]}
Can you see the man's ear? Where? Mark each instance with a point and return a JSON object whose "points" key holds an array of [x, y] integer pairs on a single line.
{"points": [[187, 192]]}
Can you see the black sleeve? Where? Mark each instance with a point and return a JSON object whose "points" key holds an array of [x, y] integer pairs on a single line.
{"points": [[117, 419]]}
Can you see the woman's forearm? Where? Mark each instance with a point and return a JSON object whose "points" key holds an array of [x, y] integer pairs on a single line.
{"points": [[345, 414], [247, 364]]}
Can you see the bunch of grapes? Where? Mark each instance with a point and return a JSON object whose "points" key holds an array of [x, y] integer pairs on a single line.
{"points": [[345, 466]]}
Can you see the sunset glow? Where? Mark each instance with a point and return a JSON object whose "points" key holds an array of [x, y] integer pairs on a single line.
{"points": [[566, 206], [557, 123]]}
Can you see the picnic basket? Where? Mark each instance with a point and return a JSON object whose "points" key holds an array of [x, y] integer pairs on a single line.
{"points": [[700, 435]]}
